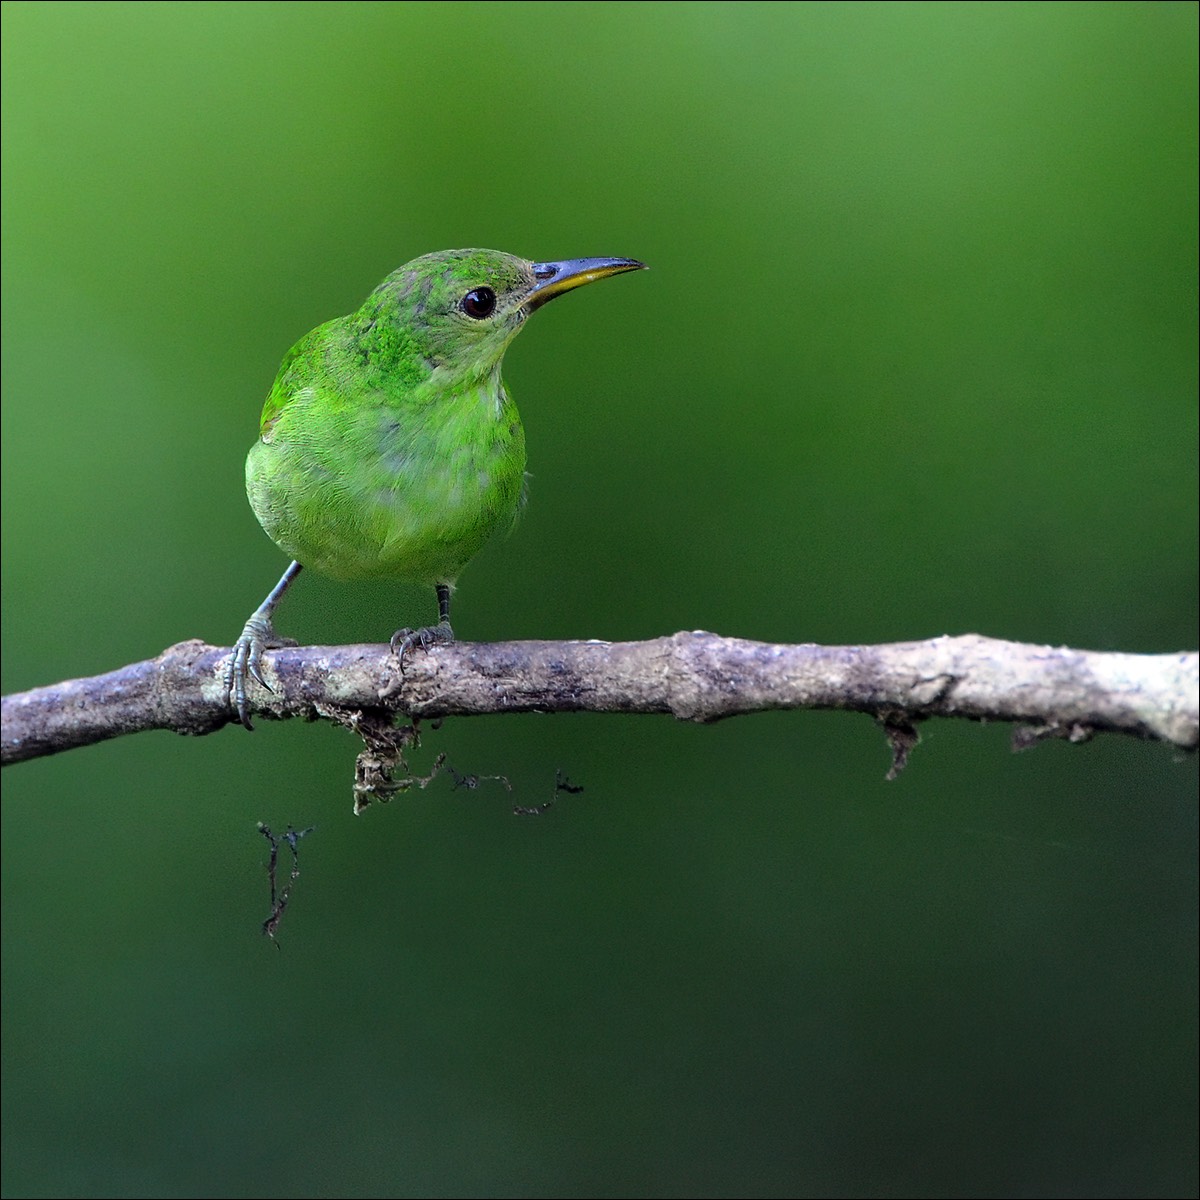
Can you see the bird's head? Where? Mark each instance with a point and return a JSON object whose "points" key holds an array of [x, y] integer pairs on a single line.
{"points": [[457, 310]]}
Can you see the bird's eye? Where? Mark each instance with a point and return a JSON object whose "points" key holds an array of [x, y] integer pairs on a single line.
{"points": [[479, 303]]}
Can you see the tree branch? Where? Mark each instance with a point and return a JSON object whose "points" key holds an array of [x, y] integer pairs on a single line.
{"points": [[1050, 691]]}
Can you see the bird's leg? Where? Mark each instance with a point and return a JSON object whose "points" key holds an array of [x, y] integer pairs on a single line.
{"points": [[258, 635], [404, 640]]}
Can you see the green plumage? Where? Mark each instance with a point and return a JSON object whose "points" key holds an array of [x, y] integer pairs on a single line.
{"points": [[389, 447]]}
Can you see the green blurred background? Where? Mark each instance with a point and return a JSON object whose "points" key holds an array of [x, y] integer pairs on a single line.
{"points": [[917, 355]]}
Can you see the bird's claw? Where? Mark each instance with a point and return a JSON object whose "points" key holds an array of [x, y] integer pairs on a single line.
{"points": [[404, 640], [245, 660]]}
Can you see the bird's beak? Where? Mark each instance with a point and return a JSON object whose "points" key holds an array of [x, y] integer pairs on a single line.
{"points": [[554, 278]]}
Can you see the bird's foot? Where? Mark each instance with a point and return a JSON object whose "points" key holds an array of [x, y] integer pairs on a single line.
{"points": [[404, 640], [246, 660]]}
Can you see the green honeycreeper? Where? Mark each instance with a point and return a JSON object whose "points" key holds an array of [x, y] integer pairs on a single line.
{"points": [[389, 445]]}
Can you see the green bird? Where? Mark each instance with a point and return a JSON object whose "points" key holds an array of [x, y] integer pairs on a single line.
{"points": [[389, 445]]}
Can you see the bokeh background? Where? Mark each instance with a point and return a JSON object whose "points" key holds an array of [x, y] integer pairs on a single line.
{"points": [[916, 355]]}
